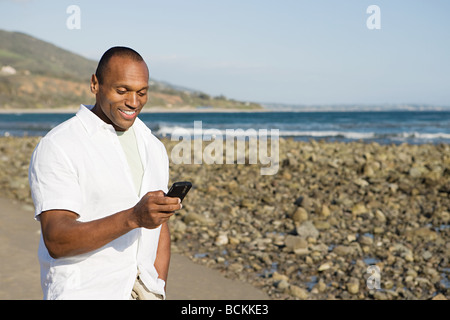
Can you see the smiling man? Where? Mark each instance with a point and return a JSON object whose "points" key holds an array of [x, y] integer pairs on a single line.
{"points": [[98, 182]]}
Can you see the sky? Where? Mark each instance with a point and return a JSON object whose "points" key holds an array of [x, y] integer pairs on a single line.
{"points": [[286, 51]]}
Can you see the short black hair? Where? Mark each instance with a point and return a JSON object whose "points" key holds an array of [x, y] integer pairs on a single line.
{"points": [[111, 52]]}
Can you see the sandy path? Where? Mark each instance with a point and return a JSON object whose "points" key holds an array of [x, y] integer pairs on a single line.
{"points": [[19, 267]]}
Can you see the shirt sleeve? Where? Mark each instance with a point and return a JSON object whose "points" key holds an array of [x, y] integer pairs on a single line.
{"points": [[53, 180], [165, 159]]}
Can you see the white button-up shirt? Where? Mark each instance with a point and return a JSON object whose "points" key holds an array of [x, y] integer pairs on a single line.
{"points": [[80, 166]]}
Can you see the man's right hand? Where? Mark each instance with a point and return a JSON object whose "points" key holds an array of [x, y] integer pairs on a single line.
{"points": [[154, 209]]}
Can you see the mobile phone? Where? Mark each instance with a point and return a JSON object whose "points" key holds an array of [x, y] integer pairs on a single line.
{"points": [[179, 189]]}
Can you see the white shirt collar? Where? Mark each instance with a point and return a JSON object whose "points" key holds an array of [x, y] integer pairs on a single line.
{"points": [[91, 122]]}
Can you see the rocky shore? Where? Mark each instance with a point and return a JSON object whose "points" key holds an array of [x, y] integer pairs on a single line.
{"points": [[337, 221]]}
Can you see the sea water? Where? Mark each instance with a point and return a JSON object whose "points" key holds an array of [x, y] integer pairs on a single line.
{"points": [[385, 127]]}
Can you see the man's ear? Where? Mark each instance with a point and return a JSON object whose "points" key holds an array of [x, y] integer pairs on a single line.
{"points": [[94, 84]]}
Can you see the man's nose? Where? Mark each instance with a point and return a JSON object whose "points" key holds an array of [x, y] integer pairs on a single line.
{"points": [[132, 100]]}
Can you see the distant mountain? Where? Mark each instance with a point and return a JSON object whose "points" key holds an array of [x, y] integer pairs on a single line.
{"points": [[35, 74], [353, 107]]}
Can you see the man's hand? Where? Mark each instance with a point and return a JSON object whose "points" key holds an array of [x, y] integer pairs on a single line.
{"points": [[154, 209]]}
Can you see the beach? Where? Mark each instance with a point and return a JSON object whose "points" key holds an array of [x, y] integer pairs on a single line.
{"points": [[338, 220], [19, 277]]}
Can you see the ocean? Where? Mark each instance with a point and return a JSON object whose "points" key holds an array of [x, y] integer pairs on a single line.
{"points": [[389, 127]]}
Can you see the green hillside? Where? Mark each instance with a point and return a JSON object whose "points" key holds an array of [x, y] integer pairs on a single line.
{"points": [[35, 74], [24, 52]]}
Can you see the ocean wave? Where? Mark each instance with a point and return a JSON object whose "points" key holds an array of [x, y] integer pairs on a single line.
{"points": [[177, 132], [326, 134], [427, 136], [238, 132]]}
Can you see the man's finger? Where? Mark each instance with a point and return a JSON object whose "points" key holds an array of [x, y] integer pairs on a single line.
{"points": [[167, 200], [158, 193]]}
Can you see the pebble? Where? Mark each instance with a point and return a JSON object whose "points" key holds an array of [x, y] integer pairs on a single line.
{"points": [[307, 230], [300, 215], [325, 266], [353, 286], [221, 239], [298, 292]]}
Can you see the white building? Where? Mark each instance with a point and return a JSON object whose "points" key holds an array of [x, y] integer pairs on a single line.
{"points": [[7, 70]]}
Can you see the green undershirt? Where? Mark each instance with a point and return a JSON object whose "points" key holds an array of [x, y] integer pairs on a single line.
{"points": [[129, 145]]}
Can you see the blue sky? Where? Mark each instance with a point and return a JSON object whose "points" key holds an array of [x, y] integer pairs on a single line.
{"points": [[296, 52]]}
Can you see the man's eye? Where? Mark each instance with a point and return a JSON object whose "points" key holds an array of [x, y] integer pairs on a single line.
{"points": [[121, 91], [142, 93]]}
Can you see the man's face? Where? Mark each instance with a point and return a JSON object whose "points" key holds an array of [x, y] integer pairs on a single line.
{"points": [[123, 93]]}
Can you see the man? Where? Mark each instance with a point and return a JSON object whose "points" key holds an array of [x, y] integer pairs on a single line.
{"points": [[98, 182]]}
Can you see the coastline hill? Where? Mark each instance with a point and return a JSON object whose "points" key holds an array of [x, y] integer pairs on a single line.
{"points": [[35, 74]]}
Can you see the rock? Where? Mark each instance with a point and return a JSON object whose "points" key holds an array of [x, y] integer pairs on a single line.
{"points": [[361, 183], [366, 240], [402, 251], [359, 208], [233, 186], [193, 217], [324, 266], [282, 285], [417, 172], [439, 296], [295, 242], [234, 240], [370, 168], [378, 230], [221, 239], [298, 201], [353, 286], [322, 225], [342, 250], [300, 215], [378, 295], [236, 267], [393, 187], [278, 277], [426, 255], [306, 202], [388, 285], [249, 204], [301, 251], [321, 286], [307, 229], [325, 211], [298, 292], [425, 234], [379, 215]]}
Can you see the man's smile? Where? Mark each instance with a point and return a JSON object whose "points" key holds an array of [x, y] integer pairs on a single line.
{"points": [[128, 114]]}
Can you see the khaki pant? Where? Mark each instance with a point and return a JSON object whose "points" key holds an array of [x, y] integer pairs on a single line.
{"points": [[140, 292]]}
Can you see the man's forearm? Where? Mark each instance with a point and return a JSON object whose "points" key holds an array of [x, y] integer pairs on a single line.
{"points": [[64, 236]]}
